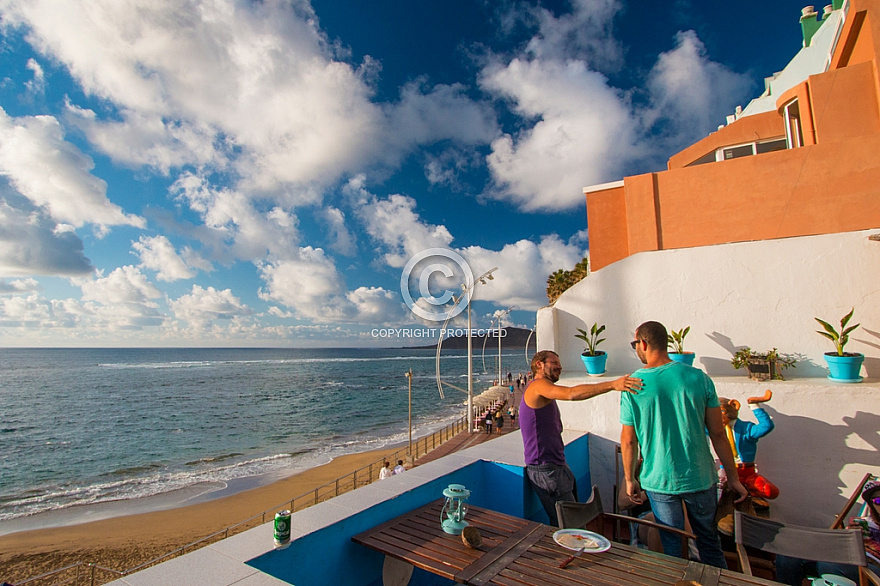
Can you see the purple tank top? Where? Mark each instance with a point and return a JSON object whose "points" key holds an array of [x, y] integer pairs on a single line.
{"points": [[542, 433]]}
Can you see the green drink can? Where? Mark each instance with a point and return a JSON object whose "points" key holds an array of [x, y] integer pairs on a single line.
{"points": [[282, 527]]}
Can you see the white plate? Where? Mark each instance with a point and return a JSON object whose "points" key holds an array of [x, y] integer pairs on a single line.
{"points": [[578, 538], [832, 580]]}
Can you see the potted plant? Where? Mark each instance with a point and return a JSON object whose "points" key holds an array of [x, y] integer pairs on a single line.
{"points": [[762, 365], [844, 366], [594, 360], [675, 340]]}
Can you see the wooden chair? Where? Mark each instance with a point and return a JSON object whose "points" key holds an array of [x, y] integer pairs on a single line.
{"points": [[574, 515], [840, 520], [843, 546]]}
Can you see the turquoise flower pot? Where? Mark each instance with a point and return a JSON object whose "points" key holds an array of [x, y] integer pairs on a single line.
{"points": [[685, 358], [844, 369], [595, 364]]}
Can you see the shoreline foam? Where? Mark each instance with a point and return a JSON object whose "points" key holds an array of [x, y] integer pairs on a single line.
{"points": [[126, 541]]}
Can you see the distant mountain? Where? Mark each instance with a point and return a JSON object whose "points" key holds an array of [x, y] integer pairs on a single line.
{"points": [[512, 339]]}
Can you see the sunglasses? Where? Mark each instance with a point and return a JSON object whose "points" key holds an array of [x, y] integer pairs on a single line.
{"points": [[634, 343], [876, 500]]}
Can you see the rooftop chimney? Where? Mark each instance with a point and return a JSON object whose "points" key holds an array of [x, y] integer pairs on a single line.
{"points": [[809, 24]]}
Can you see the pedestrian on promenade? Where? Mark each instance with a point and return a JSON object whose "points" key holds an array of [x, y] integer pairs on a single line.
{"points": [[541, 426], [499, 420], [488, 421], [667, 423], [385, 472], [399, 469]]}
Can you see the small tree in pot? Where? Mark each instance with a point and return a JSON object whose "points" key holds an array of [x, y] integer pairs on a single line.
{"points": [[675, 340], [844, 366], [594, 360]]}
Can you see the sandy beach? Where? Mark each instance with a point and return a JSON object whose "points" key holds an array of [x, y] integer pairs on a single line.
{"points": [[125, 542]]}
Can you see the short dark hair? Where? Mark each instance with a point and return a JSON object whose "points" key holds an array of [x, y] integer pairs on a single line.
{"points": [[540, 357], [654, 334]]}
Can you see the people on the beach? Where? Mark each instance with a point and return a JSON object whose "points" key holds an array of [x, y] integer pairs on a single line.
{"points": [[399, 469], [666, 422], [541, 426], [385, 472]]}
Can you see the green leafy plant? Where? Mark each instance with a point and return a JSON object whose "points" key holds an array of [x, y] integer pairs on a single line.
{"points": [[838, 338], [777, 362], [676, 340], [591, 338]]}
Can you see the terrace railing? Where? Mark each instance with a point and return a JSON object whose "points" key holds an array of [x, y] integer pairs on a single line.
{"points": [[89, 574]]}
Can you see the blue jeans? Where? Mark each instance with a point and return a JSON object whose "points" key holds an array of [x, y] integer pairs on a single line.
{"points": [[701, 513], [552, 483]]}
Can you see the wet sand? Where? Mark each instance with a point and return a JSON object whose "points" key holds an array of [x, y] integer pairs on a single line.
{"points": [[124, 542]]}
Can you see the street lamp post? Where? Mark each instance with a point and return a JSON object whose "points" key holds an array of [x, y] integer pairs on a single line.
{"points": [[409, 375], [500, 315], [466, 289], [470, 388]]}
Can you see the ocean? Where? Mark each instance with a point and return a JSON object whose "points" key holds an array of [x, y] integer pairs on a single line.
{"points": [[87, 426]]}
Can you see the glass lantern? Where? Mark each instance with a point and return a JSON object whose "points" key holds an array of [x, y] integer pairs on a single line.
{"points": [[454, 509]]}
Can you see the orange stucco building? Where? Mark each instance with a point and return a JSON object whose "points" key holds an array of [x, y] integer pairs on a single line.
{"points": [[803, 159]]}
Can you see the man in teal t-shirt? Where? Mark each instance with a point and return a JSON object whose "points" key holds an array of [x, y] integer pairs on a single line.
{"points": [[668, 420]]}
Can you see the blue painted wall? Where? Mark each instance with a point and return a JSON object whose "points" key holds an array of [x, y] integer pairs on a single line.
{"points": [[328, 556]]}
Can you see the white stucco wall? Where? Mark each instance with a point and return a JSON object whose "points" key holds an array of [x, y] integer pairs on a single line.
{"points": [[758, 294]]}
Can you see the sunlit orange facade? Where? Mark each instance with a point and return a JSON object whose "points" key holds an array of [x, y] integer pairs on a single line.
{"points": [[824, 179]]}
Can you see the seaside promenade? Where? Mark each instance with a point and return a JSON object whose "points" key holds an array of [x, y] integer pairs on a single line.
{"points": [[463, 440]]}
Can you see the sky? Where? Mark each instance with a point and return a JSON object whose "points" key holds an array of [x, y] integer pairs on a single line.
{"points": [[231, 173]]}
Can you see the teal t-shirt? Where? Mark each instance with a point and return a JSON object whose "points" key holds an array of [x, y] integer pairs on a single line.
{"points": [[669, 417]]}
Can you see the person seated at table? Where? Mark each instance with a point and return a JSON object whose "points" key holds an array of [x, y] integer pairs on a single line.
{"points": [[794, 570]]}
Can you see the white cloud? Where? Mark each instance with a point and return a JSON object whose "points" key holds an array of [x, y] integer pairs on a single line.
{"points": [[523, 267], [584, 34], [394, 222], [124, 299], [202, 307], [158, 254], [521, 278], [54, 174], [33, 244], [688, 90], [583, 134], [250, 233], [19, 286], [310, 285], [253, 87], [578, 130], [426, 115], [342, 241], [38, 84]]}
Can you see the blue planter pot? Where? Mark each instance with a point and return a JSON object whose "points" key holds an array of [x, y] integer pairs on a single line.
{"points": [[685, 358], [844, 368], [595, 364]]}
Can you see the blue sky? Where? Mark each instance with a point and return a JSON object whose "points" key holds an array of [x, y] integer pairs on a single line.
{"points": [[237, 173]]}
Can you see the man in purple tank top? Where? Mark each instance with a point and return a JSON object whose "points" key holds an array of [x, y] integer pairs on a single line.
{"points": [[541, 427]]}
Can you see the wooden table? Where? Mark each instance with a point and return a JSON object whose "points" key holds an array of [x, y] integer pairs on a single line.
{"points": [[521, 552]]}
